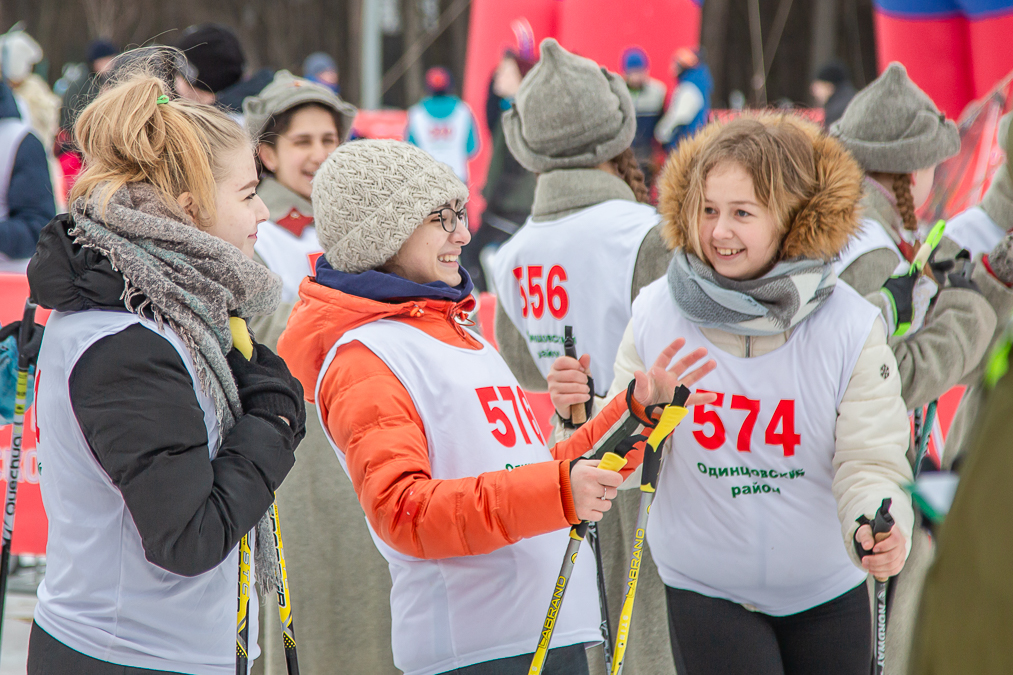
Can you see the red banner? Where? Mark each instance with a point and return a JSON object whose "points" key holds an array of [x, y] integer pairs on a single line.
{"points": [[30, 525], [961, 181]]}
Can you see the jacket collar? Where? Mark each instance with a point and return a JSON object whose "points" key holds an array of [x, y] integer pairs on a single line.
{"points": [[280, 201], [564, 191]]}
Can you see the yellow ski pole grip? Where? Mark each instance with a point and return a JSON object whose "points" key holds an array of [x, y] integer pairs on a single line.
{"points": [[670, 419], [610, 461], [241, 337]]}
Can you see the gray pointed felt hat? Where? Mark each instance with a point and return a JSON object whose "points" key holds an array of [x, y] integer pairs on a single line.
{"points": [[892, 126], [569, 112]]}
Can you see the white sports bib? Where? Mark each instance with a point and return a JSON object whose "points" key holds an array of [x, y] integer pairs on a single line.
{"points": [[744, 509], [446, 139], [290, 257], [575, 271], [454, 612], [870, 237], [974, 230], [101, 596]]}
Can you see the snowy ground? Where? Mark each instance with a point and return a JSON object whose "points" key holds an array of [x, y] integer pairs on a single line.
{"points": [[18, 616], [17, 625]]}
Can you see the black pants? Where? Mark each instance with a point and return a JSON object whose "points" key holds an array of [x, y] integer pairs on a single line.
{"points": [[49, 656], [570, 660], [711, 636]]}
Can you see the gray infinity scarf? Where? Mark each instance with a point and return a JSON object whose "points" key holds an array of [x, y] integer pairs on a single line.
{"points": [[191, 280], [780, 299]]}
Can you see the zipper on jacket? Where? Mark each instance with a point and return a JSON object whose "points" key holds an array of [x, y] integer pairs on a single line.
{"points": [[749, 346]]}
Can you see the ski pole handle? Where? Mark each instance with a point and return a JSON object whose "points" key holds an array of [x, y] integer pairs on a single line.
{"points": [[671, 416], [578, 413], [881, 526]]}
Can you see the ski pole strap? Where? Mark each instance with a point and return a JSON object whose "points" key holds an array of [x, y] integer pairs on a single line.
{"points": [[881, 524]]}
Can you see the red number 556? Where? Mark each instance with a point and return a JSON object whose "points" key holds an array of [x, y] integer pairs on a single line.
{"points": [[532, 297]]}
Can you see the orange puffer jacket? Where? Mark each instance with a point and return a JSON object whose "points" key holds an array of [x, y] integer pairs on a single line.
{"points": [[370, 415]]}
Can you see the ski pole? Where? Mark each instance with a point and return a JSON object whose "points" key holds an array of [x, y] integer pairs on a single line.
{"points": [[610, 462], [284, 599], [881, 526], [923, 438], [671, 416], [578, 413], [578, 416], [594, 541], [17, 433], [241, 341]]}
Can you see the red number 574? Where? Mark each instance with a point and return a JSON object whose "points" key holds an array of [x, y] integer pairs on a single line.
{"points": [[784, 417]]}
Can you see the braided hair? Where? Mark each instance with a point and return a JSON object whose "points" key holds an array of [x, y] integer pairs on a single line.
{"points": [[905, 200], [628, 169]]}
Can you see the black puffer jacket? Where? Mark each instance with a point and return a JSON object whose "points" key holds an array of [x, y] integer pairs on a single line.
{"points": [[135, 402]]}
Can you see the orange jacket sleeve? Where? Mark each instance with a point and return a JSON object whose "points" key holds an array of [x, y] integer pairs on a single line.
{"points": [[371, 417]]}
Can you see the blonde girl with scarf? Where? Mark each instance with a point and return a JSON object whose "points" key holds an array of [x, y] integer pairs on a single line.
{"points": [[162, 445], [809, 430]]}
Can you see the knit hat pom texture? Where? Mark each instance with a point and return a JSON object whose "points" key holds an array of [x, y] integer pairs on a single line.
{"points": [[569, 113], [370, 195]]}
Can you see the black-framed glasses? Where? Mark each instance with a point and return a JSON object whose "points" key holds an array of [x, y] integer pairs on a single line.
{"points": [[449, 218]]}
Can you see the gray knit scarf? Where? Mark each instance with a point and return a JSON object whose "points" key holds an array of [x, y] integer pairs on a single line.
{"points": [[780, 299], [177, 274]]}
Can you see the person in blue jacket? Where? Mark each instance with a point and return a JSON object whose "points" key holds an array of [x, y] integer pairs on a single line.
{"points": [[690, 105], [26, 192]]}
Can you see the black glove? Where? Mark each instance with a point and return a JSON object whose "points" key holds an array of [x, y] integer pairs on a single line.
{"points": [[28, 353], [960, 277], [899, 291], [267, 388]]}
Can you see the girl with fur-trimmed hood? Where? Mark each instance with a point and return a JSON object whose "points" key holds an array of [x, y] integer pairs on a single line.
{"points": [[808, 431]]}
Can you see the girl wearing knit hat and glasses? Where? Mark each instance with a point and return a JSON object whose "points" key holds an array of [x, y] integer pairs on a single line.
{"points": [[591, 243], [808, 430], [462, 497], [898, 136]]}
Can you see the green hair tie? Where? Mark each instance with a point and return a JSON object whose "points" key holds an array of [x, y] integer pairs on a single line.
{"points": [[162, 99]]}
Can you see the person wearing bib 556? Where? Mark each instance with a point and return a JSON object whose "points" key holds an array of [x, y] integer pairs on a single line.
{"points": [[162, 445], [808, 431], [463, 498]]}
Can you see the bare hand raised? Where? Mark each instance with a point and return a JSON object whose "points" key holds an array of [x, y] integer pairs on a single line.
{"points": [[658, 384]]}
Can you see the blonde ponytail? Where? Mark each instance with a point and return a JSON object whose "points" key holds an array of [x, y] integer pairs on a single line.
{"points": [[177, 146]]}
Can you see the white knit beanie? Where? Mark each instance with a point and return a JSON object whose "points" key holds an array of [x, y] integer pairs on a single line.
{"points": [[370, 195]]}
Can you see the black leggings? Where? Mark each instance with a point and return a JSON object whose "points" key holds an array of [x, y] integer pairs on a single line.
{"points": [[49, 656], [711, 636], [569, 660]]}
